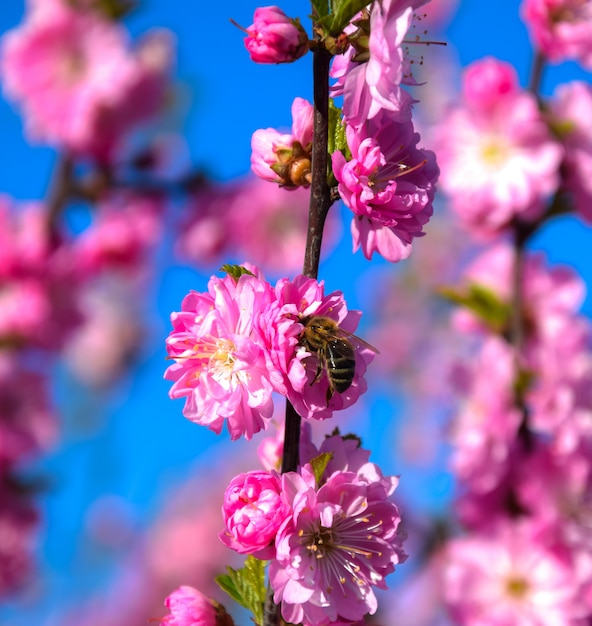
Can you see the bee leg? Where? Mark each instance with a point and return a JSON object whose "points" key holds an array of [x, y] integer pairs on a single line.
{"points": [[318, 373], [330, 392]]}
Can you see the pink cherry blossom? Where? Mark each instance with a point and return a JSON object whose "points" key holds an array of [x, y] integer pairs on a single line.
{"points": [[340, 541], [561, 29], [189, 607], [220, 365], [274, 37], [389, 184], [253, 511], [374, 85], [497, 156]]}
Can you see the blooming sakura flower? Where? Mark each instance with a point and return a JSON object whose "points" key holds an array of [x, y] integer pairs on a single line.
{"points": [[512, 575], [189, 607], [220, 365], [370, 79], [285, 158], [561, 29], [569, 108], [339, 542], [243, 339], [497, 157], [389, 184], [253, 511], [77, 80], [274, 37]]}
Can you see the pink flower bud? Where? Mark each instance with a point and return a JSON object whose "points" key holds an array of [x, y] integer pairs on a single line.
{"points": [[488, 80], [189, 607], [274, 37], [253, 511]]}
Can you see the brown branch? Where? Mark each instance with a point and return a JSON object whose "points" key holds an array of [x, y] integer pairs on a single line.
{"points": [[320, 202]]}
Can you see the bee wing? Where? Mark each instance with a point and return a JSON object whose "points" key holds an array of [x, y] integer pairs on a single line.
{"points": [[355, 340]]}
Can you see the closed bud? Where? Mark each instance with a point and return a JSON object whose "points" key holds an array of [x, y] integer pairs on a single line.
{"points": [[274, 37]]}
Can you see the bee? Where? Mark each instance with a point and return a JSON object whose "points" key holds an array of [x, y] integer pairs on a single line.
{"points": [[334, 348]]}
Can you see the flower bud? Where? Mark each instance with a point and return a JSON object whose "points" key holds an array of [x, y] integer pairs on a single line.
{"points": [[274, 37], [253, 511], [189, 607]]}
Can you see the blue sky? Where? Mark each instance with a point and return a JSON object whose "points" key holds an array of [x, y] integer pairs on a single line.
{"points": [[145, 445]]}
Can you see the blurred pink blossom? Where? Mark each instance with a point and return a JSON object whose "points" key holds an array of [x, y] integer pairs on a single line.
{"points": [[77, 80], [561, 29], [18, 520], [512, 575], [221, 225], [111, 332], [486, 424], [125, 228], [27, 421], [569, 107], [497, 157]]}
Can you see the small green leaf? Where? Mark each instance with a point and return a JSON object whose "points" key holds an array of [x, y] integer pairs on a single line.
{"points": [[320, 8], [484, 303], [246, 586], [343, 12], [319, 465], [236, 271], [337, 139]]}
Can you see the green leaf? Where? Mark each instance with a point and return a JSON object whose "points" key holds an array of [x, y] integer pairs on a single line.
{"points": [[319, 465], [342, 14], [484, 303], [236, 271], [246, 586], [320, 8], [337, 140]]}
